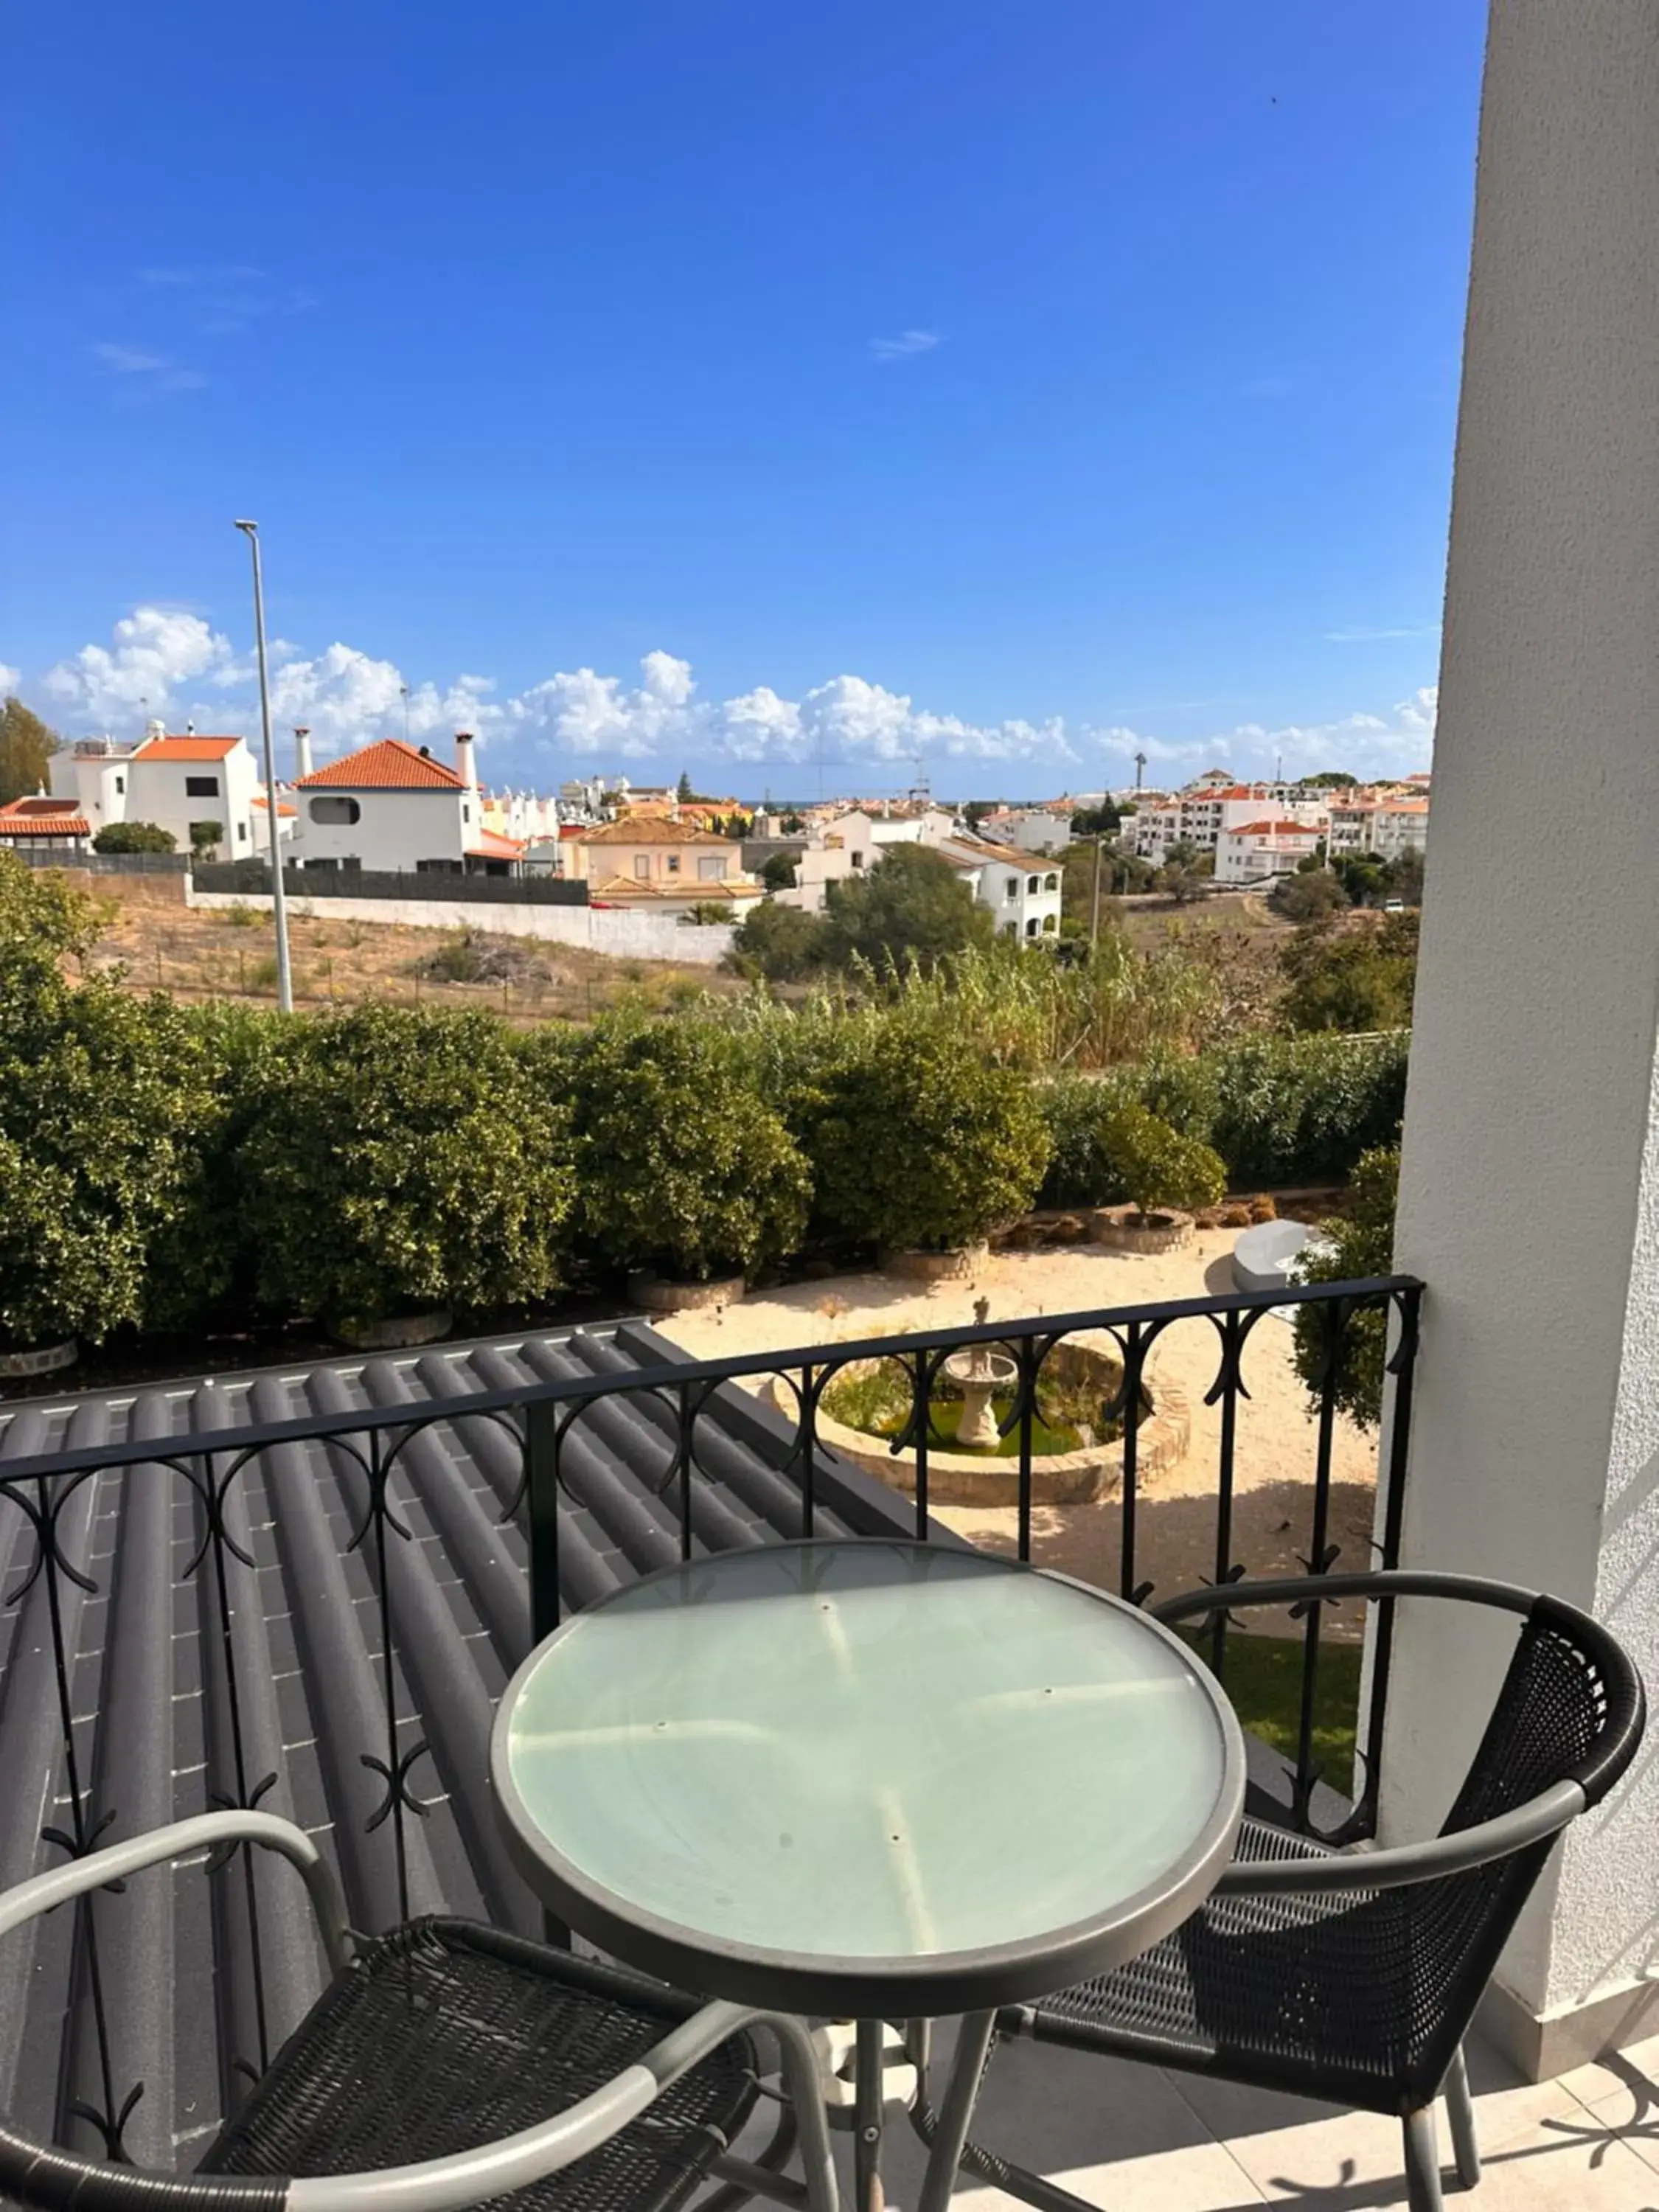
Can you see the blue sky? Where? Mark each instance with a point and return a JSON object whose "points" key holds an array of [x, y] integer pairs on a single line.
{"points": [[728, 385]]}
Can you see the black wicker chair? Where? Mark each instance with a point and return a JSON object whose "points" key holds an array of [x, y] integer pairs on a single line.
{"points": [[449, 2064], [1354, 1975]]}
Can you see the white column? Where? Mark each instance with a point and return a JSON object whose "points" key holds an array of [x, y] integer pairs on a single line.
{"points": [[1530, 1198]]}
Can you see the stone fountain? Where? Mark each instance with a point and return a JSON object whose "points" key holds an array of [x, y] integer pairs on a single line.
{"points": [[980, 1373]]}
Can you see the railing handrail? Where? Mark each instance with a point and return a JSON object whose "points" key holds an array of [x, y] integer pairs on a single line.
{"points": [[250, 1436]]}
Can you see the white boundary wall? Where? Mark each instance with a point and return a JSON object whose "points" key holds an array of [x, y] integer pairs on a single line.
{"points": [[611, 930]]}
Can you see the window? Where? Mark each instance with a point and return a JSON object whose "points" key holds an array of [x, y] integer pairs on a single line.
{"points": [[858, 859], [1049, 925], [711, 868], [1011, 890], [1031, 927], [466, 812], [437, 867], [201, 786], [332, 808], [673, 864], [120, 783], [641, 864], [1051, 882], [241, 833], [321, 867], [1033, 883]]}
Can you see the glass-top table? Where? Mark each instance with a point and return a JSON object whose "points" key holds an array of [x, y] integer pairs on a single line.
{"points": [[866, 1778]]}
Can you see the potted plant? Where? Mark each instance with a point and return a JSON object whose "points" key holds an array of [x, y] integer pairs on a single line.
{"points": [[923, 1149], [688, 1177], [404, 1165], [100, 1094], [1166, 1176]]}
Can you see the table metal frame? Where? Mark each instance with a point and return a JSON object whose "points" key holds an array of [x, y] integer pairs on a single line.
{"points": [[906, 1989]]}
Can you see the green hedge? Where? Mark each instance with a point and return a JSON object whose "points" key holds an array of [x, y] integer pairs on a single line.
{"points": [[1279, 1110]]}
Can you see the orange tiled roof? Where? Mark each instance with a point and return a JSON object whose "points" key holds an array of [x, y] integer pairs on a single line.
{"points": [[192, 748], [650, 829], [492, 846], [42, 818], [282, 806], [719, 893], [1274, 830], [390, 765]]}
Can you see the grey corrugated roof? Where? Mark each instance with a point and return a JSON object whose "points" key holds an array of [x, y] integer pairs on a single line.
{"points": [[156, 1664]]}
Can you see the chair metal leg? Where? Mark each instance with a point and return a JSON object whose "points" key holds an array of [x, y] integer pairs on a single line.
{"points": [[1459, 2117], [1422, 2161]]}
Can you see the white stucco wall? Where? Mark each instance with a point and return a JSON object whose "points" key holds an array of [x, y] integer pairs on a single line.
{"points": [[1529, 1194], [601, 929], [395, 829], [155, 792]]}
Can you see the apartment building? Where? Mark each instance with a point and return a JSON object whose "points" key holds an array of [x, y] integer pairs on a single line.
{"points": [[1380, 823]]}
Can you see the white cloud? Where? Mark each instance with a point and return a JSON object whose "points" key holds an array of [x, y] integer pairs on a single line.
{"points": [[1362, 635], [905, 346], [150, 372], [170, 663], [9, 677]]}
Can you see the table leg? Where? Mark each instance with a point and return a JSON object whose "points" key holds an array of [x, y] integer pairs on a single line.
{"points": [[866, 2118], [955, 2114]]}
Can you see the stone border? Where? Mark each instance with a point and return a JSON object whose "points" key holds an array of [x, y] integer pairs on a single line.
{"points": [[936, 1267], [657, 1294], [1075, 1478], [399, 1332], [1121, 1229], [44, 1359]]}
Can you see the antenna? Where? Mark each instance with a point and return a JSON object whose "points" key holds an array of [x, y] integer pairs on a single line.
{"points": [[1140, 769], [921, 789]]}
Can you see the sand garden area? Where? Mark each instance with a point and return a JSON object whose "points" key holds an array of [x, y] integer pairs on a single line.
{"points": [[1276, 1438]]}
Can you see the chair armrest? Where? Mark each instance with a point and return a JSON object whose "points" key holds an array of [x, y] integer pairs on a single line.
{"points": [[1378, 1583], [114, 1860], [474, 2176], [1402, 1864]]}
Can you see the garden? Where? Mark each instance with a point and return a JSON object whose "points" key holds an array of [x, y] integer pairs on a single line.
{"points": [[172, 1173]]}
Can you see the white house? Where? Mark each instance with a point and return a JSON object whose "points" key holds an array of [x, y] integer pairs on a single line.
{"points": [[392, 806], [1258, 852], [854, 841], [173, 782], [1382, 824], [1033, 829], [1023, 895]]}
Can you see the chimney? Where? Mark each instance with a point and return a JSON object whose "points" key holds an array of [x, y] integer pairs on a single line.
{"points": [[302, 754], [465, 767]]}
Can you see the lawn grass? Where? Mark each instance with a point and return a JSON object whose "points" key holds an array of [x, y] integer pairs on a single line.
{"points": [[1262, 1677]]}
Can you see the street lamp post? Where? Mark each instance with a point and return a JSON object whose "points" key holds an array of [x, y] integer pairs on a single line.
{"points": [[278, 905]]}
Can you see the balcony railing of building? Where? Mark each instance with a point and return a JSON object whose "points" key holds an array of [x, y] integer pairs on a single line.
{"points": [[315, 1612]]}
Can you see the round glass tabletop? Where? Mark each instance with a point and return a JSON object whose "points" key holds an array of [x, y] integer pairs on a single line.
{"points": [[858, 1776]]}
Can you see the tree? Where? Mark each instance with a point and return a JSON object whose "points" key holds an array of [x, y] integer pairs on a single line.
{"points": [[1354, 1246], [912, 904], [1357, 980], [1184, 881], [1103, 821], [1157, 1166], [403, 1157], [794, 825], [976, 810], [1329, 779], [683, 1164], [101, 1094], [26, 745], [682, 789], [133, 837], [1363, 878], [919, 1145], [204, 837], [1309, 894], [1405, 878], [780, 943], [778, 873]]}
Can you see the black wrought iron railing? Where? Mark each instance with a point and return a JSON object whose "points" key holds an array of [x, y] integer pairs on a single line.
{"points": [[315, 1611]]}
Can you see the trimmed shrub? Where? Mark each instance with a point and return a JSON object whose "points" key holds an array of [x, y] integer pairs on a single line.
{"points": [[1358, 1244], [1157, 1166], [403, 1158], [100, 1094], [919, 1146], [133, 837], [683, 1163]]}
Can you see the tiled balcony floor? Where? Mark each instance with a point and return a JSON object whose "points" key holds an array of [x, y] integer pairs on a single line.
{"points": [[1134, 2138]]}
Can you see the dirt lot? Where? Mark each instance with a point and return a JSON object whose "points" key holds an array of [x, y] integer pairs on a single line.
{"points": [[203, 953]]}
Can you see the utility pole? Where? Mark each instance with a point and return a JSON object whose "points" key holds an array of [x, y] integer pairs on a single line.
{"points": [[1094, 902], [273, 812]]}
